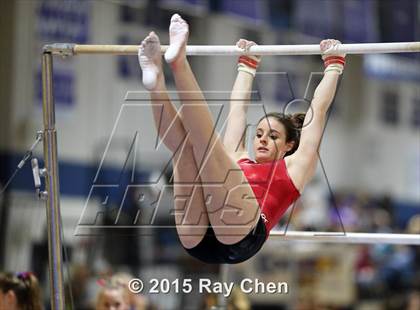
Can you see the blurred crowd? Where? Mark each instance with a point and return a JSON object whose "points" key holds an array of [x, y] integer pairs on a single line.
{"points": [[22, 291], [388, 273]]}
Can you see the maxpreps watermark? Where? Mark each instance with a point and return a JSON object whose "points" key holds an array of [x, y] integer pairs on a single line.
{"points": [[145, 198], [205, 285]]}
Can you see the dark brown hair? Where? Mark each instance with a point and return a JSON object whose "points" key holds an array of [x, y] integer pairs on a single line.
{"points": [[293, 125], [26, 288]]}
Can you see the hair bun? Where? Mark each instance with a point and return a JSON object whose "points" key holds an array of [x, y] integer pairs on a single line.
{"points": [[298, 119]]}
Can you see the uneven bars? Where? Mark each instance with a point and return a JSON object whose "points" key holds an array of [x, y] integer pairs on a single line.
{"points": [[69, 49], [337, 237]]}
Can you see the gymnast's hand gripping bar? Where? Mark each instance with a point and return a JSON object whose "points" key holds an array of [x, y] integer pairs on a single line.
{"points": [[69, 49]]}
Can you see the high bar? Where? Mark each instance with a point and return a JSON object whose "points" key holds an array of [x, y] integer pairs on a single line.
{"points": [[337, 237], [70, 49]]}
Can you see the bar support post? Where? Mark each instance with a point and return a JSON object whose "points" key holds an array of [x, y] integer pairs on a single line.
{"points": [[52, 186]]}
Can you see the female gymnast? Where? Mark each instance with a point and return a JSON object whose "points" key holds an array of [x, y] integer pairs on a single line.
{"points": [[225, 203]]}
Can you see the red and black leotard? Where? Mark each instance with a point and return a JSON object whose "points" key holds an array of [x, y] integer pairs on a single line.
{"points": [[272, 187], [274, 191]]}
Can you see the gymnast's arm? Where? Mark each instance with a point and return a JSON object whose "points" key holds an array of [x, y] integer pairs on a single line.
{"points": [[235, 134], [301, 165]]}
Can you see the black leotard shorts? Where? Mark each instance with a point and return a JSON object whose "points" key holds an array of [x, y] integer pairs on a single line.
{"points": [[212, 251]]}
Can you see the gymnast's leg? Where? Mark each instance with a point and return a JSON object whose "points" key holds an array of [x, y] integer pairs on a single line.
{"points": [[232, 208], [190, 212]]}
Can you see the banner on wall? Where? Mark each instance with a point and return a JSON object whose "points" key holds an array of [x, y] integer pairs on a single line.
{"points": [[398, 20], [390, 67], [250, 10], [61, 22], [194, 7], [327, 24], [360, 21]]}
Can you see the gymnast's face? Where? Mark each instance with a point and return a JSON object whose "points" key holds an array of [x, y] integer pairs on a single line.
{"points": [[270, 141]]}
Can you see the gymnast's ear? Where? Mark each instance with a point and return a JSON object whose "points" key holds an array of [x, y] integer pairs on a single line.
{"points": [[290, 145]]}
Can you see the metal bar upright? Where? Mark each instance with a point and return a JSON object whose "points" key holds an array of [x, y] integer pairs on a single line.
{"points": [[52, 186]]}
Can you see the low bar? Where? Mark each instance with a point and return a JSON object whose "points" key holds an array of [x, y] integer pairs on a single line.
{"points": [[69, 49], [337, 237]]}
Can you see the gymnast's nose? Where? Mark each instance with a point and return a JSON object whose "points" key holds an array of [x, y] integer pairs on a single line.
{"points": [[263, 140]]}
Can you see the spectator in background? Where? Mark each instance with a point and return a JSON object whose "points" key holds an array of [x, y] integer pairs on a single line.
{"points": [[136, 301], [82, 293], [382, 221], [343, 213], [112, 297], [238, 300], [20, 291], [313, 214], [115, 294], [413, 227]]}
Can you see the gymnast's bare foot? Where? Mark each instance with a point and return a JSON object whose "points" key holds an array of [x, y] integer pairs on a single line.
{"points": [[150, 61], [178, 36]]}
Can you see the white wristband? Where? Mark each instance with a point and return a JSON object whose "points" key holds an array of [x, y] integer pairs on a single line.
{"points": [[335, 67], [245, 68]]}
